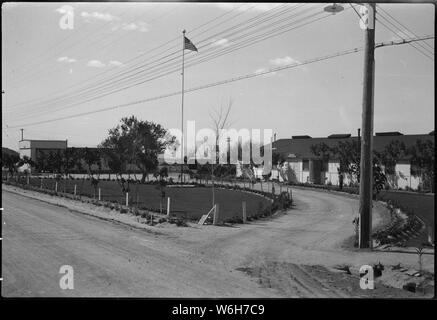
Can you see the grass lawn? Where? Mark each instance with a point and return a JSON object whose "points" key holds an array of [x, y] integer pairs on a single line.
{"points": [[421, 205], [189, 202]]}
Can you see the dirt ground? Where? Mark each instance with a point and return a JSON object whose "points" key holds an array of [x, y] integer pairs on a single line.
{"points": [[294, 254]]}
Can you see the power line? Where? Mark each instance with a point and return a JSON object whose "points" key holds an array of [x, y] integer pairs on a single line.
{"points": [[127, 62], [399, 36], [403, 41], [87, 35], [93, 42], [247, 76], [205, 59], [239, 78], [403, 26], [403, 32], [174, 58], [48, 50]]}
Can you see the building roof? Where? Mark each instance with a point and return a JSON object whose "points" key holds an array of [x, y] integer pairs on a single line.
{"points": [[301, 148]]}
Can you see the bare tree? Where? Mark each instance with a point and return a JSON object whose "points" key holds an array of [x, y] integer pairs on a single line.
{"points": [[220, 120]]}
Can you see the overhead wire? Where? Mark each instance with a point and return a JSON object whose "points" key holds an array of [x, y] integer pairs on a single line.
{"points": [[263, 38]]}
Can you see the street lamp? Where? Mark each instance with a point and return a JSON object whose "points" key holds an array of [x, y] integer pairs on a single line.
{"points": [[334, 8], [366, 159]]}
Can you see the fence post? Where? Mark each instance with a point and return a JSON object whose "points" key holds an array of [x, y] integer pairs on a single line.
{"points": [[75, 190], [244, 212], [216, 214], [168, 206], [99, 194], [28, 180], [56, 186], [127, 199], [41, 184]]}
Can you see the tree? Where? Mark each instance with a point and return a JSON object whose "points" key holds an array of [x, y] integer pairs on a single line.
{"points": [[278, 158], [322, 151], [422, 161], [41, 163], [72, 159], [150, 140], [390, 155], [348, 153], [117, 149], [220, 120], [136, 142], [10, 161], [55, 162], [161, 174]]}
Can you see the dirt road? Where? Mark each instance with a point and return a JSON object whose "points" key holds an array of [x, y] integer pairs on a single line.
{"points": [[284, 257]]}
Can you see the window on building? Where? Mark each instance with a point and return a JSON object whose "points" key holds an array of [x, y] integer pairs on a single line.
{"points": [[306, 165]]}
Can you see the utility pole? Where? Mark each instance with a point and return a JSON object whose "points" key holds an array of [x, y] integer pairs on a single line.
{"points": [[366, 162], [182, 113], [22, 135], [228, 157]]}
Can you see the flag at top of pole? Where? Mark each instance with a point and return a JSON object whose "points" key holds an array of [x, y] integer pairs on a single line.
{"points": [[188, 45]]}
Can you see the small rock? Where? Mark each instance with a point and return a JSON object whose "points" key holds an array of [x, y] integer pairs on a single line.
{"points": [[396, 267], [410, 286], [411, 272]]}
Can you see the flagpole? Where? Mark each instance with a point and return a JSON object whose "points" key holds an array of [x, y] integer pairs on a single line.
{"points": [[182, 117]]}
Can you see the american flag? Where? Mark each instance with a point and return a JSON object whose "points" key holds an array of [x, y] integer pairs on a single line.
{"points": [[189, 45]]}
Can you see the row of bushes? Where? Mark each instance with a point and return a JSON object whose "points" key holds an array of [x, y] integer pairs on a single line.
{"points": [[280, 202], [350, 190], [401, 228], [142, 211]]}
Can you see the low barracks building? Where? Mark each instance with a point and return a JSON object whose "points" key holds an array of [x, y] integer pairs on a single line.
{"points": [[304, 167], [33, 148], [37, 149]]}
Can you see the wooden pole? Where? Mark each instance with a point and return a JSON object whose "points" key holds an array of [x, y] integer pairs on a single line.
{"points": [[75, 189], [127, 199], [366, 162], [99, 194], [182, 104], [216, 214], [244, 212], [168, 206]]}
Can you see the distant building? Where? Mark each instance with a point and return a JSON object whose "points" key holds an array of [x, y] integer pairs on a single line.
{"points": [[302, 166], [34, 149]]}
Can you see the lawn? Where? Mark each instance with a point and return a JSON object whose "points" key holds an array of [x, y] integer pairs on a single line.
{"points": [[421, 205], [189, 202]]}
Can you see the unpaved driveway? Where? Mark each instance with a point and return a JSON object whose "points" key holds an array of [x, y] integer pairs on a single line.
{"points": [[283, 257]]}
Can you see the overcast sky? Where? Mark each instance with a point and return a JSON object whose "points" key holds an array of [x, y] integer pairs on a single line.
{"points": [[41, 62]]}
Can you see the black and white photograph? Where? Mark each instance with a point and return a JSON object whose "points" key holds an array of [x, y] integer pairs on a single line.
{"points": [[218, 150]]}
